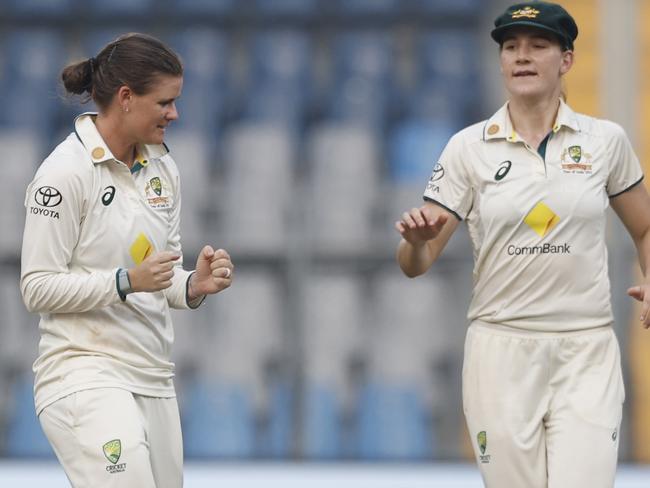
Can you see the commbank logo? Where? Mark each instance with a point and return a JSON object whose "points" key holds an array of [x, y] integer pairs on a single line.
{"points": [[541, 219]]}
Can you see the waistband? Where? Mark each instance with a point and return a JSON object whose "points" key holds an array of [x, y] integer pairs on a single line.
{"points": [[507, 331]]}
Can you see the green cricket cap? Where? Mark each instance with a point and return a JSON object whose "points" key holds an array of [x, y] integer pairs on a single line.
{"points": [[547, 16]]}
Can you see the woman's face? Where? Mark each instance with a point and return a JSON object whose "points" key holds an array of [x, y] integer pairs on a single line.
{"points": [[151, 113], [532, 63]]}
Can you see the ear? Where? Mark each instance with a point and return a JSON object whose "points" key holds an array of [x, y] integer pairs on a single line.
{"points": [[124, 95], [567, 62]]}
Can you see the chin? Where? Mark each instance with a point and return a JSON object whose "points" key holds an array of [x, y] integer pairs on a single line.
{"points": [[155, 139], [527, 92]]}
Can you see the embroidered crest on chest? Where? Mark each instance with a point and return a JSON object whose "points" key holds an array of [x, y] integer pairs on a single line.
{"points": [[157, 193], [576, 161]]}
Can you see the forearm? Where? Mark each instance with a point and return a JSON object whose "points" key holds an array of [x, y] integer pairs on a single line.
{"points": [[181, 295], [642, 244], [50, 292], [414, 260]]}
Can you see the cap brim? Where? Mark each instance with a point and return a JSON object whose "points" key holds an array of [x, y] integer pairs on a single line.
{"points": [[498, 33]]}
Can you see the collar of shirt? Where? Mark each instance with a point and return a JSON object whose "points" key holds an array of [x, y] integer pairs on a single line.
{"points": [[87, 133], [499, 126]]}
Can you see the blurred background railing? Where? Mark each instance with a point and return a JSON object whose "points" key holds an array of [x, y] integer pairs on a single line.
{"points": [[307, 127]]}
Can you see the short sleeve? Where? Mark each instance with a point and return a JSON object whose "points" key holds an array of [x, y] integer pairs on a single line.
{"points": [[624, 167], [450, 184]]}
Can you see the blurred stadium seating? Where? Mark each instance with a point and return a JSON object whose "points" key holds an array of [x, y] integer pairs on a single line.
{"points": [[300, 141], [281, 145]]}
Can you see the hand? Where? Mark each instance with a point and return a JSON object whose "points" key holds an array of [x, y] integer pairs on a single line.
{"points": [[213, 272], [154, 273], [642, 294], [417, 227]]}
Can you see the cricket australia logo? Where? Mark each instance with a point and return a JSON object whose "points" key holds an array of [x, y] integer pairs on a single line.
{"points": [[576, 161], [113, 451], [157, 193], [156, 185], [481, 438]]}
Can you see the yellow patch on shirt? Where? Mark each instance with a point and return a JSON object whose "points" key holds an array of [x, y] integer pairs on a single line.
{"points": [[141, 248], [541, 219]]}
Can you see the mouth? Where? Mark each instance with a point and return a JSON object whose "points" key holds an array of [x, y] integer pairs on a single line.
{"points": [[524, 74]]}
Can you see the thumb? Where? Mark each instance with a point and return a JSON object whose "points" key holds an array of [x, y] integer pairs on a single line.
{"points": [[207, 252], [441, 221], [636, 293]]}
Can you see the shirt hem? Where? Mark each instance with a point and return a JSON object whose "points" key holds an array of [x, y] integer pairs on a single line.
{"points": [[162, 392]]}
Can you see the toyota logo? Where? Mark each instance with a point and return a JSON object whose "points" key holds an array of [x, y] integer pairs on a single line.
{"points": [[47, 196], [438, 172]]}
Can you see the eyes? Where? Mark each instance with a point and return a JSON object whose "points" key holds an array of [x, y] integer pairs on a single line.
{"points": [[537, 44]]}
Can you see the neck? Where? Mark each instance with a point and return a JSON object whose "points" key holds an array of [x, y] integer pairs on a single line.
{"points": [[112, 131], [533, 119]]}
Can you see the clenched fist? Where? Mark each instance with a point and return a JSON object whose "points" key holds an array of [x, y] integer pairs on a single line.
{"points": [[213, 272], [154, 273]]}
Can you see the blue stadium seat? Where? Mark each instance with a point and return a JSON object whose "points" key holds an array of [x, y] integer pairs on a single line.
{"points": [[322, 434], [205, 56], [40, 8], [366, 7], [121, 6], [393, 424], [276, 440], [25, 438], [205, 7], [415, 146], [359, 101], [96, 39], [363, 85], [440, 101], [34, 54], [204, 52], [276, 104], [218, 421], [448, 75], [298, 8], [450, 55], [468, 7], [281, 57], [34, 57], [368, 54]]}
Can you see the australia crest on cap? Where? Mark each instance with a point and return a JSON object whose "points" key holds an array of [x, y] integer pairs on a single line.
{"points": [[527, 12]]}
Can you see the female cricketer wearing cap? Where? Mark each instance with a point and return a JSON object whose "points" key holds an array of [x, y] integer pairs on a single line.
{"points": [[542, 384], [101, 263]]}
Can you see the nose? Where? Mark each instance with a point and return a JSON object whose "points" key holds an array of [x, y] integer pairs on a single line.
{"points": [[522, 54], [172, 114]]}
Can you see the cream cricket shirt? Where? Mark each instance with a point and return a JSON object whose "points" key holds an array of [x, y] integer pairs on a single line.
{"points": [[537, 224], [87, 216]]}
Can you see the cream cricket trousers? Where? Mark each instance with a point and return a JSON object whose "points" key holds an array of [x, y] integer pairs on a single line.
{"points": [[543, 409], [110, 437]]}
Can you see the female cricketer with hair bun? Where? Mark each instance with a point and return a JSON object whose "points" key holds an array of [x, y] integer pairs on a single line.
{"points": [[102, 264], [542, 383]]}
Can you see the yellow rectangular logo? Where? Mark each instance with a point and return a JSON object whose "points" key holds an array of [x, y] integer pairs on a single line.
{"points": [[541, 219], [141, 248]]}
